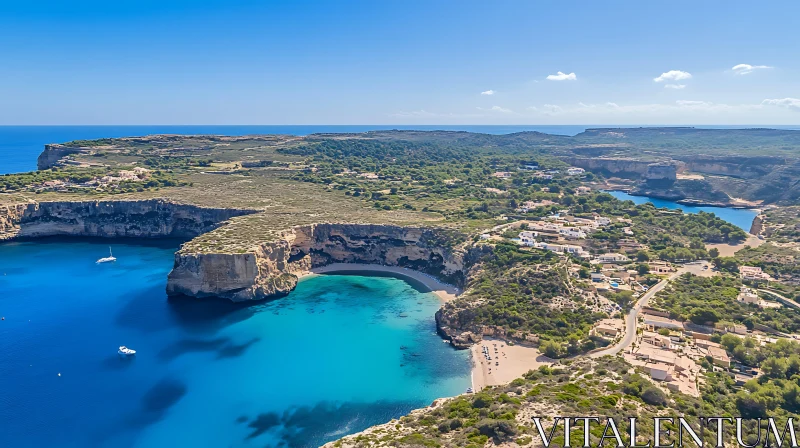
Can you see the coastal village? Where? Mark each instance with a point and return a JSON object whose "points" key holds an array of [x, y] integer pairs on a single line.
{"points": [[673, 353]]}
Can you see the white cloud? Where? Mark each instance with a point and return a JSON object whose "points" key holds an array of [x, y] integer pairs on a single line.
{"points": [[422, 113], [547, 109], [488, 92], [497, 109], [702, 105], [674, 86], [561, 76], [678, 108], [673, 75], [789, 103], [743, 69]]}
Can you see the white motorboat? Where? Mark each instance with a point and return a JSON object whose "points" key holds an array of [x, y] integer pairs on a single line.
{"points": [[126, 351], [109, 258]]}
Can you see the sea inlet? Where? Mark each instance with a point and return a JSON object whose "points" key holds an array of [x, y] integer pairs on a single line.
{"points": [[337, 355]]}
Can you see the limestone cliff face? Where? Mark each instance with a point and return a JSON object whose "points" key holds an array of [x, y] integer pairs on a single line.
{"points": [[270, 269], [52, 154], [736, 166], [10, 216], [154, 218]]}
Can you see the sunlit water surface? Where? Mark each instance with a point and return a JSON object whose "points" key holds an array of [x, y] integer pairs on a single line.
{"points": [[337, 355]]}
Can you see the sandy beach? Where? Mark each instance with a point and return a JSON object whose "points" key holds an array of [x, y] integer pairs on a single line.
{"points": [[508, 362], [444, 291]]}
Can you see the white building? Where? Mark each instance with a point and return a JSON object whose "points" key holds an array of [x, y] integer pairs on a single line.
{"points": [[561, 248], [572, 233], [602, 221], [747, 295], [527, 238], [752, 273], [575, 171], [613, 258]]}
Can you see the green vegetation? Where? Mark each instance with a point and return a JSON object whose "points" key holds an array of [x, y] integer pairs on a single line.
{"points": [[515, 290], [607, 387], [712, 301], [84, 181], [781, 262]]}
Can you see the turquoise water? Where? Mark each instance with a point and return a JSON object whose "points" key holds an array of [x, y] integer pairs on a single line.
{"points": [[740, 217], [337, 355]]}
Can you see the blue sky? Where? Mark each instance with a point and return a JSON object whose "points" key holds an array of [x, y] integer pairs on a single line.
{"points": [[399, 62]]}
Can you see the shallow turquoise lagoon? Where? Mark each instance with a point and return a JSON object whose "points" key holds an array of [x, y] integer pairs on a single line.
{"points": [[337, 355]]}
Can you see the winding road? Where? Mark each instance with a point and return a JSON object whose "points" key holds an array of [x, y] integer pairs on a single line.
{"points": [[783, 299], [633, 316]]}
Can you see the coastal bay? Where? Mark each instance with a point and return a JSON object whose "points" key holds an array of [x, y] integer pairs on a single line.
{"points": [[740, 217], [338, 354]]}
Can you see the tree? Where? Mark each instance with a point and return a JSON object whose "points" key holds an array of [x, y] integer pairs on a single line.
{"points": [[642, 269], [774, 367], [702, 316], [713, 253], [550, 349], [642, 256], [728, 264], [655, 396]]}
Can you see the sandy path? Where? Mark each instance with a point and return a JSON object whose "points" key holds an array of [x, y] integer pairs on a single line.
{"points": [[514, 361], [444, 291], [727, 250]]}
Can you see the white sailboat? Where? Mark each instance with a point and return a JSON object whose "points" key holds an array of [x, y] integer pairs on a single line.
{"points": [[109, 258], [126, 351]]}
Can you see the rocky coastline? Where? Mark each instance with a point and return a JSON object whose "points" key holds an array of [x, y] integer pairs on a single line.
{"points": [[151, 218], [272, 268], [267, 270]]}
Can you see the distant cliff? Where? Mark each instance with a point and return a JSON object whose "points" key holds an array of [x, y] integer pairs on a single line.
{"points": [[52, 155], [735, 166], [271, 268], [626, 168], [152, 218]]}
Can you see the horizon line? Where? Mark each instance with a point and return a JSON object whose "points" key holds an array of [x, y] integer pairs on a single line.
{"points": [[412, 125]]}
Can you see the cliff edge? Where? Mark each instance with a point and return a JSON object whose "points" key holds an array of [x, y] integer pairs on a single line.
{"points": [[272, 268]]}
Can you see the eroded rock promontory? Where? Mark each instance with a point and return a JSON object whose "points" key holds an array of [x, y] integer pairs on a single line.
{"points": [[271, 268]]}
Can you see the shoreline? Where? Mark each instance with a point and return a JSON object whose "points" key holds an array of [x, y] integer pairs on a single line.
{"points": [[444, 291], [514, 361]]}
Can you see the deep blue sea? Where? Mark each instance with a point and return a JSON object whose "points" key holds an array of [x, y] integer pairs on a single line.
{"points": [[21, 145], [740, 217], [335, 356]]}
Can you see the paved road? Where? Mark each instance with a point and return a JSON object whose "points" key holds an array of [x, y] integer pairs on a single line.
{"points": [[784, 299], [633, 316]]}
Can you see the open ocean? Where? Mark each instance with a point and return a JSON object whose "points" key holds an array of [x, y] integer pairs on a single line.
{"points": [[21, 145], [337, 355]]}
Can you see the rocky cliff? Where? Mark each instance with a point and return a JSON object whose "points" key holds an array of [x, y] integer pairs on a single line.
{"points": [[153, 218], [271, 268], [52, 154], [735, 166]]}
